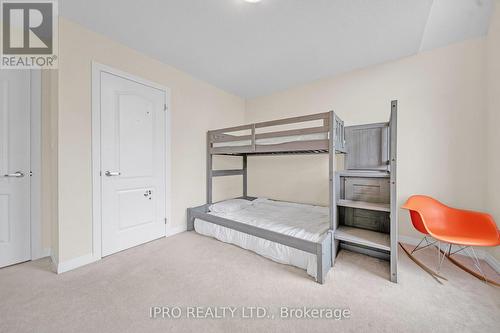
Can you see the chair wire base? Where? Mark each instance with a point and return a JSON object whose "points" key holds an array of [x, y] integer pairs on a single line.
{"points": [[429, 241], [471, 254], [448, 252]]}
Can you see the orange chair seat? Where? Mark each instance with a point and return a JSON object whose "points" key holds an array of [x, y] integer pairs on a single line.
{"points": [[451, 225], [468, 240]]}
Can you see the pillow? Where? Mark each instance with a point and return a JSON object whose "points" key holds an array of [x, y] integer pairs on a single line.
{"points": [[229, 205]]}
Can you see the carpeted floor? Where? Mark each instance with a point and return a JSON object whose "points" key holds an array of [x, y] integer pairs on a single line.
{"points": [[187, 270]]}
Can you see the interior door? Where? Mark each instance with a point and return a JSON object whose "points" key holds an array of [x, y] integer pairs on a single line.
{"points": [[14, 166], [133, 152]]}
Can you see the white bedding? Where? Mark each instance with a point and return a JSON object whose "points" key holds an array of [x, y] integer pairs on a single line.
{"points": [[274, 141], [298, 220]]}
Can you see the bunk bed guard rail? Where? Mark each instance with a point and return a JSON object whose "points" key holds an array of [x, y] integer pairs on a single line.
{"points": [[295, 135]]}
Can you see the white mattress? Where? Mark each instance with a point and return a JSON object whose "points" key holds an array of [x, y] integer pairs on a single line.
{"points": [[298, 220], [274, 141]]}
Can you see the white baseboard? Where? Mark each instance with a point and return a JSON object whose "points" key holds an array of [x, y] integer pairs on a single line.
{"points": [[71, 264], [481, 254], [53, 263], [176, 230], [42, 253], [68, 265]]}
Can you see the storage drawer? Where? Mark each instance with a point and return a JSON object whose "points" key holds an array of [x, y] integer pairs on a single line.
{"points": [[375, 190]]}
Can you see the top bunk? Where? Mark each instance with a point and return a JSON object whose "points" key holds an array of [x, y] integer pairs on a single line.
{"points": [[310, 134]]}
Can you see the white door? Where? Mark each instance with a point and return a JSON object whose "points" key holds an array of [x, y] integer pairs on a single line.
{"points": [[14, 166], [133, 151]]}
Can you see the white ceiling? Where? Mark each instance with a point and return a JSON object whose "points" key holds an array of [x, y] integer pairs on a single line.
{"points": [[256, 49]]}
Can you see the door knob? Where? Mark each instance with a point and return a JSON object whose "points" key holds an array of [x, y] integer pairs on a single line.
{"points": [[17, 174], [112, 173]]}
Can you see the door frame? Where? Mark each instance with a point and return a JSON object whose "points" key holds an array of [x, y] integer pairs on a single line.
{"points": [[36, 224], [97, 69]]}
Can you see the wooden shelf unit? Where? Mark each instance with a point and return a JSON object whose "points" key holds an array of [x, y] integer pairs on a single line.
{"points": [[364, 173], [380, 207], [366, 210], [373, 239]]}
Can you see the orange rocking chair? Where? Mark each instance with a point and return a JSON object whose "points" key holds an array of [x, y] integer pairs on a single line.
{"points": [[455, 227]]}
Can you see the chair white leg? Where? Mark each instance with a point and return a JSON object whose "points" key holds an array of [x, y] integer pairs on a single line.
{"points": [[476, 261], [442, 255], [438, 248]]}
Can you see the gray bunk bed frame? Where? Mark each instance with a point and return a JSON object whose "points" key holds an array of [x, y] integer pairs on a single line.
{"points": [[326, 248]]}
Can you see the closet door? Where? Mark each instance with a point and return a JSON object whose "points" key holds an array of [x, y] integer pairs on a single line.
{"points": [[14, 166]]}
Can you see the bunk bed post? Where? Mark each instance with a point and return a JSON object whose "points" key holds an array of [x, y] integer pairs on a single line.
{"points": [[209, 168], [335, 242], [394, 208], [245, 193], [332, 202]]}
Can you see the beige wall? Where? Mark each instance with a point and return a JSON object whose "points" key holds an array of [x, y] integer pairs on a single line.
{"points": [[196, 107], [441, 132], [493, 118]]}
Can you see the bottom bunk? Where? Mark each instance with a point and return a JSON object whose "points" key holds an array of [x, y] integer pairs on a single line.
{"points": [[288, 233]]}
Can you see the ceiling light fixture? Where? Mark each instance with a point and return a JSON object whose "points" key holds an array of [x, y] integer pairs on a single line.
{"points": [[253, 1]]}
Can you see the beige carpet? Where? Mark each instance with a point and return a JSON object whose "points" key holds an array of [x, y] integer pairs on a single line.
{"points": [[115, 294]]}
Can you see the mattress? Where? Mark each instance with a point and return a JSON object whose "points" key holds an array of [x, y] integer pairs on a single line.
{"points": [[297, 220], [274, 141]]}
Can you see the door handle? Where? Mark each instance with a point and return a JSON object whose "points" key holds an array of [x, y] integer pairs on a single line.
{"points": [[17, 174], [112, 173]]}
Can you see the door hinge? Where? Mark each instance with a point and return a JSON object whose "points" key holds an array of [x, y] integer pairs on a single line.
{"points": [[164, 107], [165, 220]]}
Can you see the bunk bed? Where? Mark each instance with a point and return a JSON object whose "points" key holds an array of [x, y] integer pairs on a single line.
{"points": [[308, 236]]}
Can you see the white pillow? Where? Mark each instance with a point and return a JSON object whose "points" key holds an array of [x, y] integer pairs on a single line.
{"points": [[229, 205]]}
